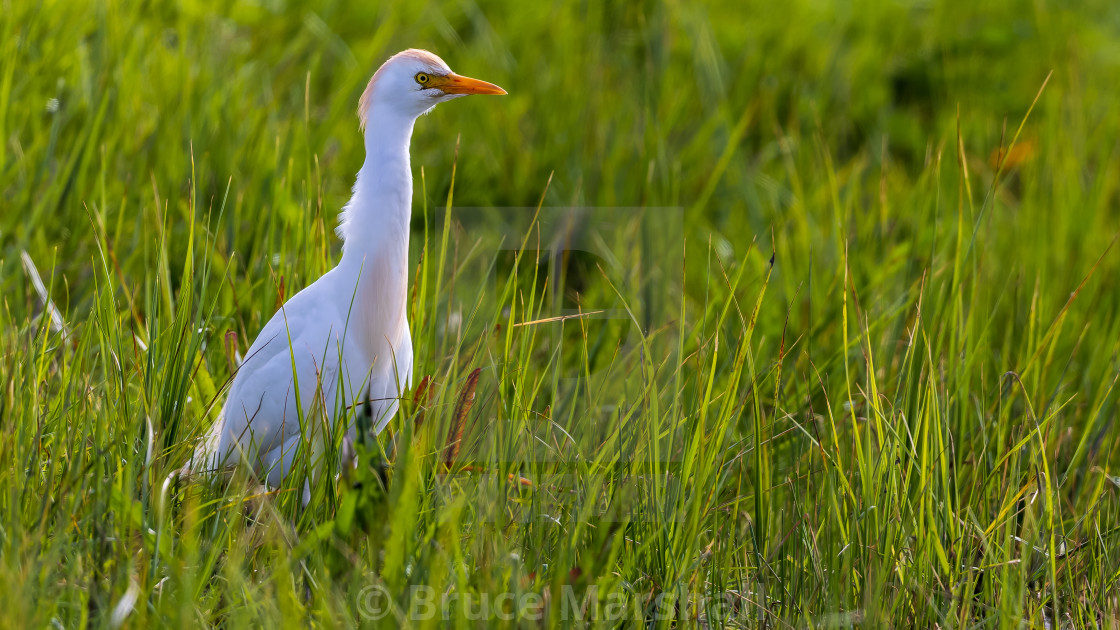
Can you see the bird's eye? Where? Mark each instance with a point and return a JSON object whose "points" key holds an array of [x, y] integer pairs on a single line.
{"points": [[422, 78]]}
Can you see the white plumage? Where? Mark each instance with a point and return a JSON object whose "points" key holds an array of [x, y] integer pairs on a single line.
{"points": [[344, 340]]}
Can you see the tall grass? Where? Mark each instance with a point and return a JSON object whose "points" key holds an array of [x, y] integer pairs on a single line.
{"points": [[728, 315]]}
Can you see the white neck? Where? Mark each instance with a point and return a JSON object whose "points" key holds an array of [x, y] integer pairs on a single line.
{"points": [[380, 208], [375, 229]]}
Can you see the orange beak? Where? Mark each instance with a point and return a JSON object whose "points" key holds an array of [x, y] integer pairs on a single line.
{"points": [[456, 84]]}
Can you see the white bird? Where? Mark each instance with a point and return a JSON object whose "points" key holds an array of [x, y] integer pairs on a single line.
{"points": [[344, 340]]}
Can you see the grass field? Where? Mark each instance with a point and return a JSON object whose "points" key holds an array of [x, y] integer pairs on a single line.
{"points": [[840, 287]]}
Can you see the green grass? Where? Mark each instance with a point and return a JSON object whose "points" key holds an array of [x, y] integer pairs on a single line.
{"points": [[849, 370]]}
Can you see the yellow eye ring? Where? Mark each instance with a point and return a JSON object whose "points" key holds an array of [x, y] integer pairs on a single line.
{"points": [[422, 78]]}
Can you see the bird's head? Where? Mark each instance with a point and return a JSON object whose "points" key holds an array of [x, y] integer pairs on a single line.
{"points": [[412, 82]]}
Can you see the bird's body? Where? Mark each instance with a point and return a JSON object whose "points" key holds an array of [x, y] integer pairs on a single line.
{"points": [[344, 340]]}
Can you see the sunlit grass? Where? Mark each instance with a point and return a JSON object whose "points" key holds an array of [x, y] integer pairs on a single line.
{"points": [[765, 331]]}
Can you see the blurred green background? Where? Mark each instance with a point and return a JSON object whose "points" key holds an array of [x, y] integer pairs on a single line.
{"points": [[716, 107]]}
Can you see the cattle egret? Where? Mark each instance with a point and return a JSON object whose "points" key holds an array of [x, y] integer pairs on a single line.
{"points": [[343, 341]]}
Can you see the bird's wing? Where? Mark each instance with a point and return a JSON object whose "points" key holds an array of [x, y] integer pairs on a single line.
{"points": [[262, 411]]}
